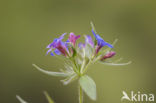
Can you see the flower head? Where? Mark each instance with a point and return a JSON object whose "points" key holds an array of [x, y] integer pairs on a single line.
{"points": [[73, 38], [79, 58]]}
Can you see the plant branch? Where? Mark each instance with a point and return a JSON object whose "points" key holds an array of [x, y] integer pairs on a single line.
{"points": [[80, 95]]}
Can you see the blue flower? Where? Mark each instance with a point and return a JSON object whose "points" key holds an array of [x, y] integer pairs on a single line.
{"points": [[59, 46], [100, 41], [55, 41]]}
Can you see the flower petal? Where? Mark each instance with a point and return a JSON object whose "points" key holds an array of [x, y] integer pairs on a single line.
{"points": [[49, 51], [100, 41], [73, 38], [57, 52], [77, 37], [62, 36], [109, 45], [89, 40], [94, 33], [52, 54]]}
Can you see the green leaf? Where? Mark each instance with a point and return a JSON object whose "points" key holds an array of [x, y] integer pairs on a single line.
{"points": [[88, 86], [20, 99], [93, 27], [48, 97], [69, 79], [116, 64], [58, 74]]}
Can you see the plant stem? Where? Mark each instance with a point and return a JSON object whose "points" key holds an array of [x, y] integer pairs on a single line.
{"points": [[85, 69], [75, 69], [80, 95]]}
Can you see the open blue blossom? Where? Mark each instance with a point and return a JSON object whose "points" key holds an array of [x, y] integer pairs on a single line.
{"points": [[56, 40], [100, 42], [59, 46]]}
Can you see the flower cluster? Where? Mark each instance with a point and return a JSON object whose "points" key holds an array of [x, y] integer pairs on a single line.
{"points": [[68, 47], [79, 57]]}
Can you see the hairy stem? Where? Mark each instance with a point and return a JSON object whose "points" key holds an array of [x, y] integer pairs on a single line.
{"points": [[80, 95], [74, 63]]}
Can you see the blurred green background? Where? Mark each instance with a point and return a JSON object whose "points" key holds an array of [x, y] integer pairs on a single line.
{"points": [[28, 26]]}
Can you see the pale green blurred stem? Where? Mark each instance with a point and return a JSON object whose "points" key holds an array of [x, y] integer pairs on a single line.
{"points": [[75, 69], [80, 95]]}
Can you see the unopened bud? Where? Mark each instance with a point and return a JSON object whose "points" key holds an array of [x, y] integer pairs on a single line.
{"points": [[108, 55]]}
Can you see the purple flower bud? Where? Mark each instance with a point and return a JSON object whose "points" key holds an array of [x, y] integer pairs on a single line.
{"points": [[108, 55], [73, 38]]}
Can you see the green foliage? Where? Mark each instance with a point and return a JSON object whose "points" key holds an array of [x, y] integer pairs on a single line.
{"points": [[60, 74], [20, 99], [48, 97], [69, 79], [88, 86], [93, 27], [116, 64]]}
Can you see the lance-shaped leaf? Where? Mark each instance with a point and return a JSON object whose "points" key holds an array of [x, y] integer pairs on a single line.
{"points": [[20, 99], [58, 74], [93, 27], [116, 64], [69, 79], [88, 86], [48, 97]]}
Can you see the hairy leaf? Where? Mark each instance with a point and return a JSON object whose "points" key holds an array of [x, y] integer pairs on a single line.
{"points": [[116, 64], [69, 79], [59, 74], [48, 97], [88, 86], [20, 99]]}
